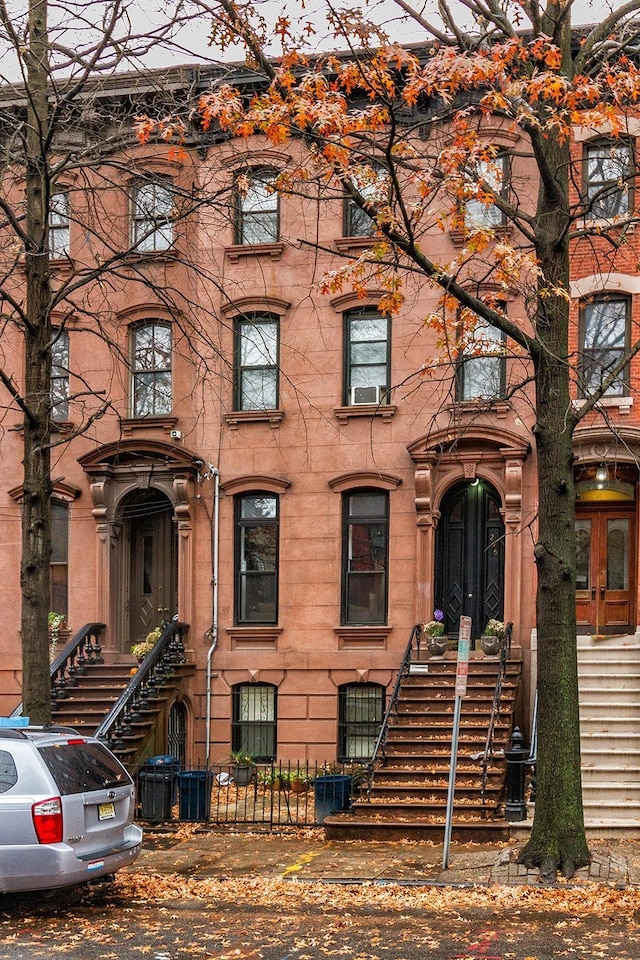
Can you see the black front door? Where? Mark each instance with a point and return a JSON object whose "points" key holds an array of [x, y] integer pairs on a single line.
{"points": [[469, 576], [152, 587]]}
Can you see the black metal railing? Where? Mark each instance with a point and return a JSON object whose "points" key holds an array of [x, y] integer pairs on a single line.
{"points": [[83, 650], [143, 688], [269, 796], [392, 707], [488, 753]]}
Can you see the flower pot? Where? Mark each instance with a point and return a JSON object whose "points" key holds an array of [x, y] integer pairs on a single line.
{"points": [[243, 774], [490, 645], [437, 645]]}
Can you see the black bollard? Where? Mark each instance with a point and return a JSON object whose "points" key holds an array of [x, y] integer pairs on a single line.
{"points": [[516, 755]]}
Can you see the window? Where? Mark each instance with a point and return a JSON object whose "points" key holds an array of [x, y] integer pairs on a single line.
{"points": [[480, 213], [152, 217], [256, 558], [59, 564], [257, 363], [60, 376], [604, 338], [360, 715], [481, 368], [609, 167], [254, 720], [59, 224], [151, 368], [368, 358], [365, 539], [257, 208], [373, 185]]}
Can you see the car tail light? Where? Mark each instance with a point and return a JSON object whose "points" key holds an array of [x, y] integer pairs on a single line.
{"points": [[47, 819]]}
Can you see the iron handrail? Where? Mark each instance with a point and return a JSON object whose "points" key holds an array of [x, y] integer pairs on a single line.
{"points": [[487, 753], [80, 651], [167, 652], [379, 748]]}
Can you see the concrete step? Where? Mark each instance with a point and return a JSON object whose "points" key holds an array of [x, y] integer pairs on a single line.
{"points": [[625, 727], [622, 709]]}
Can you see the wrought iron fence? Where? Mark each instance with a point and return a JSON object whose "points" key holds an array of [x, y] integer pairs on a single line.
{"points": [[271, 796]]}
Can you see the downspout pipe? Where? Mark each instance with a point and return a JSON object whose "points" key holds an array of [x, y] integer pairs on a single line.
{"points": [[215, 538]]}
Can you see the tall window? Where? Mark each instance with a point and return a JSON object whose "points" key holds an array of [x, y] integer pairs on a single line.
{"points": [[60, 376], [604, 333], [491, 176], [254, 720], [59, 211], [256, 363], [59, 564], [152, 217], [257, 208], [256, 558], [373, 185], [365, 556], [368, 357], [360, 715], [608, 171], [481, 368], [151, 369]]}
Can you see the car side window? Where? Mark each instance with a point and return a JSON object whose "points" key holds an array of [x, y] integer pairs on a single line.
{"points": [[8, 772]]}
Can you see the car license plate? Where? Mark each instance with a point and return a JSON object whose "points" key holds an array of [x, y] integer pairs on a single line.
{"points": [[106, 811]]}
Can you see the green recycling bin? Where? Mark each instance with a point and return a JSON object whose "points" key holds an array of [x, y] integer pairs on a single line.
{"points": [[194, 794]]}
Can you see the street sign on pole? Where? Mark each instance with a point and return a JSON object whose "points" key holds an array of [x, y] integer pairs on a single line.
{"points": [[462, 672]]}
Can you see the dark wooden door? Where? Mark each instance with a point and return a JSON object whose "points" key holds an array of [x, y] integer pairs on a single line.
{"points": [[153, 570], [605, 569], [470, 557]]}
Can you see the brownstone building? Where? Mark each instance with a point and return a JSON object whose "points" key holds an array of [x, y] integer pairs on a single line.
{"points": [[273, 466]]}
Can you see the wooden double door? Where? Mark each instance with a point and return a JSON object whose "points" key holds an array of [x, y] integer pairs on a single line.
{"points": [[605, 568]]}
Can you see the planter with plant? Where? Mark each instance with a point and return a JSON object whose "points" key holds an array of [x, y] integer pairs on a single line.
{"points": [[437, 639], [244, 767], [140, 649], [492, 638]]}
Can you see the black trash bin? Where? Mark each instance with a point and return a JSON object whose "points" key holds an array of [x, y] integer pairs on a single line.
{"points": [[332, 795], [157, 781], [194, 791]]}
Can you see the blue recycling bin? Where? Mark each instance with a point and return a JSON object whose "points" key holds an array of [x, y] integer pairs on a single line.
{"points": [[332, 795], [194, 792]]}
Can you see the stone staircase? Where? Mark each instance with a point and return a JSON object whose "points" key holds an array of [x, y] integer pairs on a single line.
{"points": [[609, 683], [408, 794], [92, 695]]}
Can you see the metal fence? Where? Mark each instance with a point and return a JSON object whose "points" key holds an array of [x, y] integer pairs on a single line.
{"points": [[272, 795]]}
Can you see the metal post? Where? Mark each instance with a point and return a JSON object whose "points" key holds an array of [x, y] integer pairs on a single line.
{"points": [[462, 672], [516, 756]]}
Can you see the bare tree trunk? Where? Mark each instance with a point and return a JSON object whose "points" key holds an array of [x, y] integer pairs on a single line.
{"points": [[36, 515], [558, 836]]}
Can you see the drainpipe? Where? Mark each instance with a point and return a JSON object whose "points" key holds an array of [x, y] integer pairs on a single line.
{"points": [[215, 544]]}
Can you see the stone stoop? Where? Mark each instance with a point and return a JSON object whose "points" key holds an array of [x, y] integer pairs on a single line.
{"points": [[609, 685], [408, 794]]}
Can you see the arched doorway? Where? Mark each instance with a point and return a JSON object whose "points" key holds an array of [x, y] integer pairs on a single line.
{"points": [[469, 578], [151, 584]]}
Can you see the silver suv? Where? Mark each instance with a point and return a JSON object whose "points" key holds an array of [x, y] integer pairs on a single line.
{"points": [[66, 810]]}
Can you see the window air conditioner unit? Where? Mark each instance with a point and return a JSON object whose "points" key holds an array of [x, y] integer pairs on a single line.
{"points": [[366, 394]]}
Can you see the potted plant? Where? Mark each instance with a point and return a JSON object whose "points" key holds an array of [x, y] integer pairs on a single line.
{"points": [[244, 766], [492, 638], [436, 637], [140, 649], [56, 622]]}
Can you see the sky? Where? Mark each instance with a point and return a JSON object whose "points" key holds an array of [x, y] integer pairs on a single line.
{"points": [[189, 44]]}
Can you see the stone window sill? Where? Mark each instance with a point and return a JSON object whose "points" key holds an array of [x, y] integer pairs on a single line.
{"points": [[471, 408], [261, 637], [357, 637], [238, 250], [273, 417], [132, 424], [385, 410], [623, 404], [355, 244]]}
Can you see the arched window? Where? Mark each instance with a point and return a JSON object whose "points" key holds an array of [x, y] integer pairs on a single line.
{"points": [[152, 213], [59, 564], [368, 357], [256, 367], [360, 713], [256, 558], [151, 369], [255, 720], [481, 368], [365, 556], [59, 214], [256, 207]]}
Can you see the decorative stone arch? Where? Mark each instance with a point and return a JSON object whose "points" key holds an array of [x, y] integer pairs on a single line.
{"points": [[114, 471], [442, 459]]}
